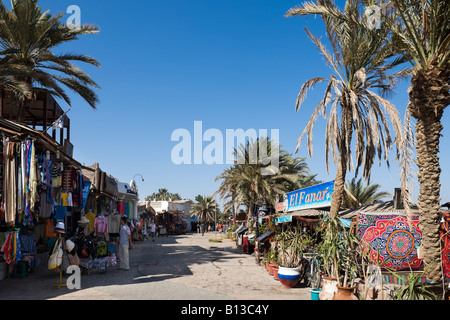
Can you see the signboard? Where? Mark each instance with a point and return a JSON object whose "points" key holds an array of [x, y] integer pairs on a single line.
{"points": [[279, 207], [317, 196], [284, 219], [125, 188]]}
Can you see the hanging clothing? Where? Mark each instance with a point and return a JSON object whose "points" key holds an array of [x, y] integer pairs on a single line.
{"points": [[121, 207], [46, 208], [127, 209], [7, 248], [114, 223], [91, 217], [60, 212], [33, 181], [66, 198], [27, 186], [56, 175], [12, 248], [50, 182], [69, 179], [23, 175], [101, 224], [20, 199], [10, 183]]}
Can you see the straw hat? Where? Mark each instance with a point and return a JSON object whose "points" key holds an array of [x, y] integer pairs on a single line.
{"points": [[83, 220]]}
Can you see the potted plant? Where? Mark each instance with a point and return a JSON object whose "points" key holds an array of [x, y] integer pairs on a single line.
{"points": [[339, 257], [289, 254], [270, 260]]}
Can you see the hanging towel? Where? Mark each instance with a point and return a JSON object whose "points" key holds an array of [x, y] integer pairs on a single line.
{"points": [[33, 180], [10, 183], [127, 209]]}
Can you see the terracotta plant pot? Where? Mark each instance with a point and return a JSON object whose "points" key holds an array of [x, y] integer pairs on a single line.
{"points": [[288, 277], [275, 273], [271, 266], [345, 293], [329, 288]]}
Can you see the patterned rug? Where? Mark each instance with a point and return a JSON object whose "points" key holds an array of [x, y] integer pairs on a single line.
{"points": [[388, 237], [445, 227]]}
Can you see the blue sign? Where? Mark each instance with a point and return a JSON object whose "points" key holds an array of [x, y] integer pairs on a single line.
{"points": [[284, 219], [317, 196]]}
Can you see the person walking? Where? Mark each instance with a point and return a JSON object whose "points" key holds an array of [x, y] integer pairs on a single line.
{"points": [[202, 227], [153, 230], [125, 243]]}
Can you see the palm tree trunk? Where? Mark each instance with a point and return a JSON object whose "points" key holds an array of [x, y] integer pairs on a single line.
{"points": [[250, 208], [429, 96], [339, 181], [427, 133]]}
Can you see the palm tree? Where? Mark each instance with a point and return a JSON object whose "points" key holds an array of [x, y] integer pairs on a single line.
{"points": [[421, 29], [360, 62], [163, 195], [245, 183], [363, 194], [205, 208], [28, 38]]}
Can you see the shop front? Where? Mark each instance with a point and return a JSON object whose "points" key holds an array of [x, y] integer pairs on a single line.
{"points": [[43, 193]]}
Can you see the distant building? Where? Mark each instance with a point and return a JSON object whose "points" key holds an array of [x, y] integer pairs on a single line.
{"points": [[177, 212]]}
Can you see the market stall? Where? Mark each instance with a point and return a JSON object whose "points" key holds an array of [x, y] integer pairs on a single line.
{"points": [[41, 186]]}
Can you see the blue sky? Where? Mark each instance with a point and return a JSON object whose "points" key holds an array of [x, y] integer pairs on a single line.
{"points": [[230, 64]]}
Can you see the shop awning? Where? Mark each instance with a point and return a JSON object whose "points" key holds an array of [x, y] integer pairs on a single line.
{"points": [[241, 230], [288, 216], [266, 236]]}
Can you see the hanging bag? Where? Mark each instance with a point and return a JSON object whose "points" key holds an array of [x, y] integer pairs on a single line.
{"points": [[74, 259], [56, 257], [65, 263]]}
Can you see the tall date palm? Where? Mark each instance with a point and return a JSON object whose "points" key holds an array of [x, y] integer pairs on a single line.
{"points": [[204, 208], [421, 29], [29, 37], [360, 62], [245, 182]]}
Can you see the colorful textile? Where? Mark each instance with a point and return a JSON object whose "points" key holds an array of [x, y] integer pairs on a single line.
{"points": [[121, 207], [445, 236], [388, 237], [127, 209], [12, 248], [60, 212], [91, 217], [101, 224], [7, 248]]}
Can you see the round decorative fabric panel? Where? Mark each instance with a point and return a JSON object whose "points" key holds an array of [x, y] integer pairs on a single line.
{"points": [[400, 244]]}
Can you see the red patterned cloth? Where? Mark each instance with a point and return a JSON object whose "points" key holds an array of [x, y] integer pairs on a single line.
{"points": [[445, 236], [387, 238]]}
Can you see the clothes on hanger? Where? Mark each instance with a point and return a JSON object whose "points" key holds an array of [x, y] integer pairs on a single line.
{"points": [[101, 224]]}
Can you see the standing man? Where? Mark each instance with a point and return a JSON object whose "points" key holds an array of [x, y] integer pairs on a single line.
{"points": [[202, 227], [153, 230], [125, 243]]}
